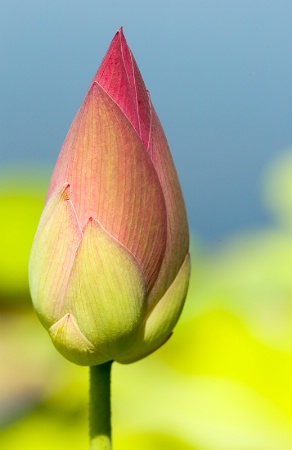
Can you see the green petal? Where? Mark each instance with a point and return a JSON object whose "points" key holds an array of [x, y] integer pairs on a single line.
{"points": [[52, 256], [162, 319], [105, 293], [72, 344]]}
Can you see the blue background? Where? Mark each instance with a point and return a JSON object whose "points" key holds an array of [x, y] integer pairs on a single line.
{"points": [[219, 74]]}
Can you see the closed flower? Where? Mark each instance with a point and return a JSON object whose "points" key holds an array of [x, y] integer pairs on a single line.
{"points": [[109, 266]]}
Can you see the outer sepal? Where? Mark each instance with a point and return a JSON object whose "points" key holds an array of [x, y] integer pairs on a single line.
{"points": [[158, 325], [52, 256], [103, 305], [72, 344]]}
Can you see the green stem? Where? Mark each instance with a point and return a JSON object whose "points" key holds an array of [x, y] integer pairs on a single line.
{"points": [[99, 407]]}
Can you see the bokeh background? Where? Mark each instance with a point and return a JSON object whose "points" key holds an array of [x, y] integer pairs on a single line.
{"points": [[219, 74]]}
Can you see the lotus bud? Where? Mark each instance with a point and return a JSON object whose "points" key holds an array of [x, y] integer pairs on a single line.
{"points": [[109, 266]]}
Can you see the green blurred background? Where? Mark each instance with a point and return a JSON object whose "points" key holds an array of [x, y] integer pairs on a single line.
{"points": [[222, 382]]}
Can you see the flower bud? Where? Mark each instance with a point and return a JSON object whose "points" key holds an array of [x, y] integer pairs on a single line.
{"points": [[109, 266]]}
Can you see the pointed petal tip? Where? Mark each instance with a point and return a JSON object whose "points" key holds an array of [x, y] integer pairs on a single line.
{"points": [[66, 192], [120, 35], [123, 40], [62, 192], [118, 40], [95, 86], [89, 222], [71, 342]]}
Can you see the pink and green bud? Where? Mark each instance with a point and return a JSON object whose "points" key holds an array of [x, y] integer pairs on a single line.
{"points": [[109, 267]]}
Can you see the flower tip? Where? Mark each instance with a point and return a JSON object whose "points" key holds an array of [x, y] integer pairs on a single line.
{"points": [[66, 192], [120, 34], [119, 38], [89, 222], [112, 59]]}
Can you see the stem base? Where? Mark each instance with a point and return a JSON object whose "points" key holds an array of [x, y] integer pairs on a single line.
{"points": [[99, 407]]}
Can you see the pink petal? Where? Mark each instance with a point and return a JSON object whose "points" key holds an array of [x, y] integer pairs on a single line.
{"points": [[112, 179], [177, 243], [121, 79]]}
